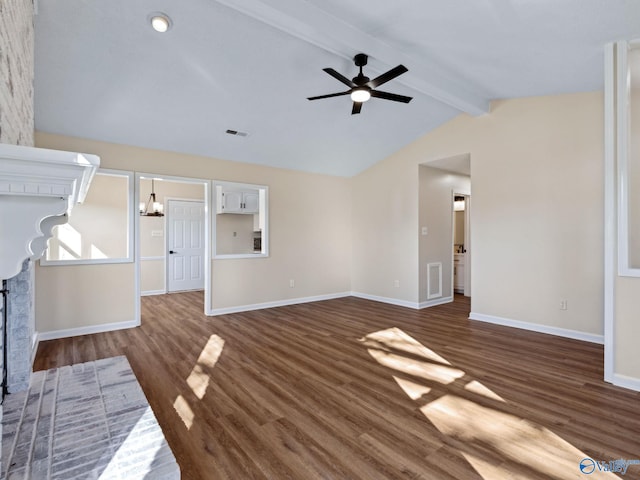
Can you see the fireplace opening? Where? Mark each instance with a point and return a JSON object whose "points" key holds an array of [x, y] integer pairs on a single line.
{"points": [[5, 293]]}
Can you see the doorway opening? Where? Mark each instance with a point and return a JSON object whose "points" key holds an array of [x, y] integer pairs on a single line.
{"points": [[461, 244], [172, 236]]}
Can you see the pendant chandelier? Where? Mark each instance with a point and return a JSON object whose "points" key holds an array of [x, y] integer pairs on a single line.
{"points": [[152, 208]]}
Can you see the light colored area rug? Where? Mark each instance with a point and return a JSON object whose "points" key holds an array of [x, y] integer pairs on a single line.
{"points": [[85, 421]]}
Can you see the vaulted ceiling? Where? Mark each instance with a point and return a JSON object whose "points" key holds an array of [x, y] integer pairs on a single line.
{"points": [[249, 65]]}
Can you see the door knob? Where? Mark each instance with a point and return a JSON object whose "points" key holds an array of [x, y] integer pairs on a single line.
{"points": [[172, 251]]}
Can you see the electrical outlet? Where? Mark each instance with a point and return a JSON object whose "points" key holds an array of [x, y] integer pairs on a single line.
{"points": [[563, 304], [292, 283], [396, 283]]}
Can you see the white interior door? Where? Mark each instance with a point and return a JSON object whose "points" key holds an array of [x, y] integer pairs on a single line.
{"points": [[185, 245]]}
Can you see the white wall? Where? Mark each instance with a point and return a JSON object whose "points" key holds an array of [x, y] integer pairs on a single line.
{"points": [[234, 233], [435, 212], [310, 241], [544, 154], [385, 231]]}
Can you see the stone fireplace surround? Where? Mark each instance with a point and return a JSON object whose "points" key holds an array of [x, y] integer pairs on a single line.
{"points": [[38, 189], [48, 417]]}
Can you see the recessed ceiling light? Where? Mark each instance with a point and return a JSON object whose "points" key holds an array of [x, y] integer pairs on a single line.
{"points": [[160, 22]]}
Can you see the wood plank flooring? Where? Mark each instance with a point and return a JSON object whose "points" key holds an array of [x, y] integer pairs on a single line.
{"points": [[354, 389]]}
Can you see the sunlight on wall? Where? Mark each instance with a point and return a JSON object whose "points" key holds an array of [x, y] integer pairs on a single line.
{"points": [[67, 241], [70, 242], [99, 228], [495, 441]]}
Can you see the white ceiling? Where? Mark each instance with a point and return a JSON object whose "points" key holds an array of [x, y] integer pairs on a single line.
{"points": [[102, 73]]}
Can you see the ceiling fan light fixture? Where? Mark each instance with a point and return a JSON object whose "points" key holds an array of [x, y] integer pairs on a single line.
{"points": [[360, 95], [160, 22], [361, 88]]}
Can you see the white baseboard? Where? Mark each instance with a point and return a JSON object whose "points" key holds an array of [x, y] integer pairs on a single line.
{"points": [[74, 332], [391, 301], [437, 301], [35, 340], [277, 303], [534, 327], [626, 382], [152, 292]]}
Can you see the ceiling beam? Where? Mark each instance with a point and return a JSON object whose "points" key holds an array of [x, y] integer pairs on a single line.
{"points": [[313, 25]]}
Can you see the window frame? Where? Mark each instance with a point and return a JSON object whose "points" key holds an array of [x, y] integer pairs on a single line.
{"points": [[129, 258], [214, 223]]}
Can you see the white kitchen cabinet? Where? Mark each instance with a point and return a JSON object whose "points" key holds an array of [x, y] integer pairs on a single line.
{"points": [[251, 202], [238, 201]]}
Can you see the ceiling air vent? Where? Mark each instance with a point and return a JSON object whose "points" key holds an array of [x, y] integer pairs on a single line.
{"points": [[236, 132]]}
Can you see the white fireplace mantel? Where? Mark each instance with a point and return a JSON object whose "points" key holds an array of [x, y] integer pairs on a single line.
{"points": [[38, 189]]}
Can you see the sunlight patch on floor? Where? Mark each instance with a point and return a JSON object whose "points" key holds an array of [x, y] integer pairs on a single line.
{"points": [[182, 408], [198, 379], [479, 389], [429, 371], [413, 389], [497, 444], [396, 339]]}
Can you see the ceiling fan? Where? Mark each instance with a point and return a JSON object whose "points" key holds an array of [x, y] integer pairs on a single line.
{"points": [[361, 88]]}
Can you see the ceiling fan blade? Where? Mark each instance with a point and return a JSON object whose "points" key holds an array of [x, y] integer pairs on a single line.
{"points": [[339, 77], [357, 106], [390, 96], [329, 95], [390, 75]]}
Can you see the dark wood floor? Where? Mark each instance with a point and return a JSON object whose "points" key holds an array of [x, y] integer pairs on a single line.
{"points": [[354, 389]]}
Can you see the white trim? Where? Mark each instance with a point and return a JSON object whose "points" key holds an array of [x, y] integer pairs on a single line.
{"points": [[609, 211], [83, 261], [438, 265], [626, 382], [535, 327], [148, 293], [433, 303], [208, 244], [137, 281], [277, 303], [467, 246], [130, 258], [207, 199], [263, 210], [156, 258], [390, 301], [227, 256], [88, 330], [35, 341], [622, 89]]}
